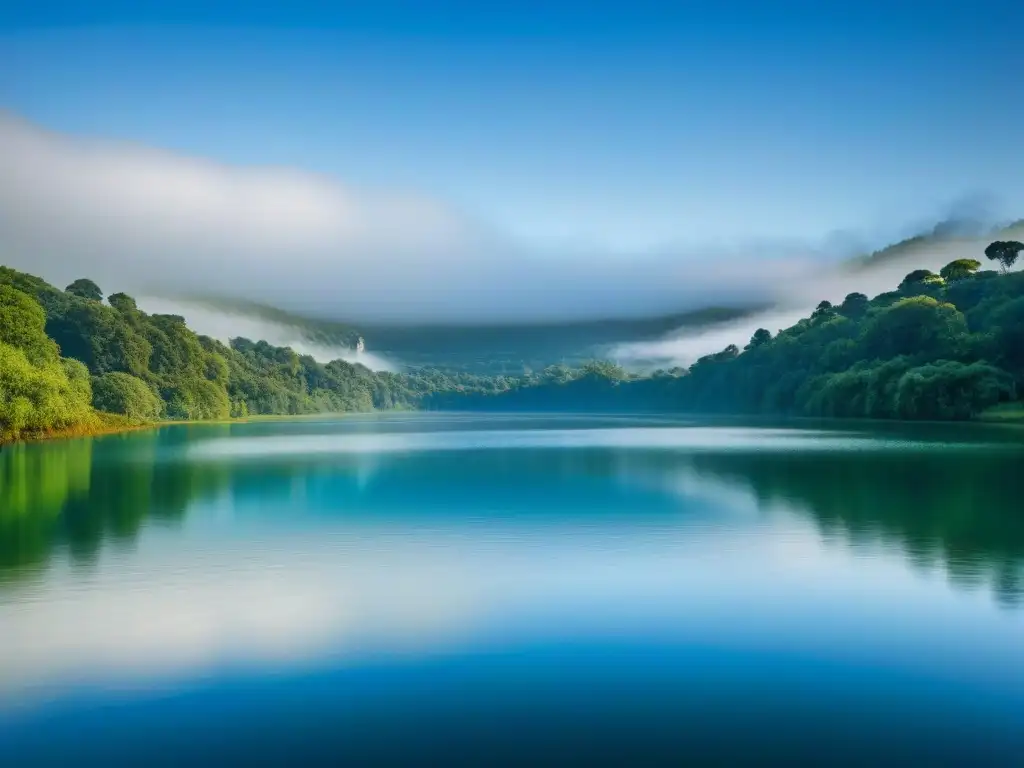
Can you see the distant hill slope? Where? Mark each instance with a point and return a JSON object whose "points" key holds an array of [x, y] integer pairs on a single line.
{"points": [[489, 349], [946, 233], [315, 330], [944, 346], [511, 349]]}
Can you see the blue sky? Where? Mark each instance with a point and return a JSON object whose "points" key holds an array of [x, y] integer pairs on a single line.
{"points": [[623, 126]]}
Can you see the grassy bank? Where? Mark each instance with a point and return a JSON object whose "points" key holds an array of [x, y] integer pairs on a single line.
{"points": [[112, 423], [103, 424]]}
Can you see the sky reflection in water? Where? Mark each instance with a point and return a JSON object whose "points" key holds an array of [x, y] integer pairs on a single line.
{"points": [[714, 557]]}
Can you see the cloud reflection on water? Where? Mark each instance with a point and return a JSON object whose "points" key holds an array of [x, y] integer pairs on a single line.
{"points": [[687, 543]]}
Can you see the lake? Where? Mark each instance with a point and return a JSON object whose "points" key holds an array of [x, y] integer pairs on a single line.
{"points": [[425, 588]]}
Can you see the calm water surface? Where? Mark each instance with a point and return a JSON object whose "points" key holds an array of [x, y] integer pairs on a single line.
{"points": [[485, 590]]}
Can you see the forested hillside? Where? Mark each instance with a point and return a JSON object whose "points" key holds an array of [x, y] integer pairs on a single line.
{"points": [[953, 233], [939, 346], [39, 391], [65, 353]]}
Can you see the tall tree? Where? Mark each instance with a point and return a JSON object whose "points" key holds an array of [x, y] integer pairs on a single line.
{"points": [[855, 305], [1005, 252], [961, 269], [85, 288], [915, 277], [122, 302], [22, 325], [824, 311], [761, 337]]}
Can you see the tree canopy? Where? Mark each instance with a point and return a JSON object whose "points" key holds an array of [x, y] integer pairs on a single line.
{"points": [[941, 346], [944, 346], [148, 366], [85, 289], [122, 393], [1005, 252], [39, 392], [961, 269]]}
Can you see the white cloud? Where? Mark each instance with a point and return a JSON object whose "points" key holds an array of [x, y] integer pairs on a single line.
{"points": [[135, 217], [152, 222]]}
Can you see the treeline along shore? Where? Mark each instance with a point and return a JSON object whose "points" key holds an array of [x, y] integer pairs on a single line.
{"points": [[946, 346]]}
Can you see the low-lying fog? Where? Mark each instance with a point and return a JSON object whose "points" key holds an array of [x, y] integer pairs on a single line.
{"points": [[152, 223]]}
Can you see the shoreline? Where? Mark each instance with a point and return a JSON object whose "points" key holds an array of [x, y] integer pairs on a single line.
{"points": [[107, 424], [114, 424]]}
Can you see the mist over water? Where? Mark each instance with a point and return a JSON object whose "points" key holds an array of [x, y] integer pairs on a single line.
{"points": [[691, 438]]}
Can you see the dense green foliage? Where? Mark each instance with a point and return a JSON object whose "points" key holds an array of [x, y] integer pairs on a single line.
{"points": [[118, 392], [1005, 252], [150, 366], [86, 289], [941, 346], [39, 391], [944, 346]]}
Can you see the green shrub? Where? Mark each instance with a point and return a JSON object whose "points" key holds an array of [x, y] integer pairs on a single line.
{"points": [[125, 394]]}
